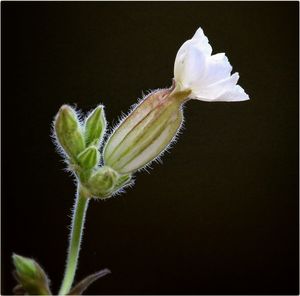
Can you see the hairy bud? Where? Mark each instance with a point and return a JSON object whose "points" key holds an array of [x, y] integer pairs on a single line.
{"points": [[68, 132], [105, 182], [102, 183]]}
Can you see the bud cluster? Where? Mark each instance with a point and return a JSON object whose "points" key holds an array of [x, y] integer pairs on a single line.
{"points": [[80, 144]]}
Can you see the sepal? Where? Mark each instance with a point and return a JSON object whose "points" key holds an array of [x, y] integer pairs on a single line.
{"points": [[122, 181], [95, 126], [89, 157]]}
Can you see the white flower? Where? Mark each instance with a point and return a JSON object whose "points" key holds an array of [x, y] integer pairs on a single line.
{"points": [[208, 76], [153, 124]]}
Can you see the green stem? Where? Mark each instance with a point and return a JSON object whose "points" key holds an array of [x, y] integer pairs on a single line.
{"points": [[80, 208]]}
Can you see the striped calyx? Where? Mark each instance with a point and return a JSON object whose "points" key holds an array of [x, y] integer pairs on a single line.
{"points": [[146, 132]]}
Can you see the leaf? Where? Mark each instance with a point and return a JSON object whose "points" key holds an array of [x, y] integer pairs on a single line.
{"points": [[19, 290], [86, 282]]}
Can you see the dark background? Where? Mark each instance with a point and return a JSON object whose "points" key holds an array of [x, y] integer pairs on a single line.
{"points": [[220, 216]]}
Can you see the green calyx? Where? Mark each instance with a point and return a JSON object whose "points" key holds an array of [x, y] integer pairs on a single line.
{"points": [[102, 182], [147, 131], [106, 181]]}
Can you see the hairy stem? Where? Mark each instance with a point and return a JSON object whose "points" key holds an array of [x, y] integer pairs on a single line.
{"points": [[78, 219]]}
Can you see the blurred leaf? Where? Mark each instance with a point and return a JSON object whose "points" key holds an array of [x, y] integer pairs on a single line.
{"points": [[86, 282]]}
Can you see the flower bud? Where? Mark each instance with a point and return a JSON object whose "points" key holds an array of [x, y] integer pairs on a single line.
{"points": [[89, 157], [31, 276], [68, 132], [146, 132], [95, 126], [102, 183], [25, 266]]}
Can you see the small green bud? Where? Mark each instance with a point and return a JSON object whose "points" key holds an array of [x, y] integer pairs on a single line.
{"points": [[68, 131], [102, 183], [25, 266], [95, 126], [89, 157], [31, 276]]}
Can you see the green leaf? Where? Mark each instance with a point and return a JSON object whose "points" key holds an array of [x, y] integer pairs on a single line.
{"points": [[86, 282]]}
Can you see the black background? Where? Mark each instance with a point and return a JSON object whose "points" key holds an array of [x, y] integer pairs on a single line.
{"points": [[220, 216]]}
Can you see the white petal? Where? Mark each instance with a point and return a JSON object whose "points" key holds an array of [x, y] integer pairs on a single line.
{"points": [[212, 91], [236, 94], [202, 42], [218, 68], [189, 65]]}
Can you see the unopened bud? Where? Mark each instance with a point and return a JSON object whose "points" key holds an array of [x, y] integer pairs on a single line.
{"points": [[89, 157], [95, 126], [102, 183], [25, 266], [31, 276], [146, 132], [68, 131]]}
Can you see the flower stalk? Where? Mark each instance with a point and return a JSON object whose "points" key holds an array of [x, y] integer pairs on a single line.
{"points": [[78, 220]]}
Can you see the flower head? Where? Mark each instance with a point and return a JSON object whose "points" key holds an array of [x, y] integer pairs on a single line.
{"points": [[151, 126], [208, 76]]}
